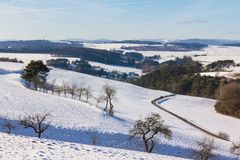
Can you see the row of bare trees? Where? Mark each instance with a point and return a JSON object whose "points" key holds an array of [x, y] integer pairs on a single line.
{"points": [[108, 95]]}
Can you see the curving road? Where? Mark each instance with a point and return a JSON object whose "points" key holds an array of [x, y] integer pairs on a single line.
{"points": [[154, 102]]}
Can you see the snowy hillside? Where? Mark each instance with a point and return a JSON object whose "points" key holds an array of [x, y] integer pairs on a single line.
{"points": [[204, 114], [18, 147], [75, 121]]}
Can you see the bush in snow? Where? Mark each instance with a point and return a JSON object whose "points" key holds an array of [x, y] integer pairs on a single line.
{"points": [[148, 128], [229, 99], [8, 126], [36, 122], [206, 146], [223, 135], [235, 149]]}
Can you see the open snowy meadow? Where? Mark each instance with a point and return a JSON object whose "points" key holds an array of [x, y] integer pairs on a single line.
{"points": [[78, 122]]}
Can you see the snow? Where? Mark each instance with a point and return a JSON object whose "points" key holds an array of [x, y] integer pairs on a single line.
{"points": [[26, 58], [205, 56], [201, 111], [212, 53], [19, 147], [116, 68], [77, 122]]}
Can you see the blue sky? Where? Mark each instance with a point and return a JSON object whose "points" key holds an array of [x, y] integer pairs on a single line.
{"points": [[119, 19]]}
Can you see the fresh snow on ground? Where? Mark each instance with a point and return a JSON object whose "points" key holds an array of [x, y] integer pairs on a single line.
{"points": [[201, 112], [75, 121], [26, 58], [206, 56], [19, 147], [116, 68]]}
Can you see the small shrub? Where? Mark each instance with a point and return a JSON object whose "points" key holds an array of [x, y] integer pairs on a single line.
{"points": [[223, 135], [8, 126], [206, 146]]}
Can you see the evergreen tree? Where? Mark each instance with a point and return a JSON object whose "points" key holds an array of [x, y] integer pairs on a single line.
{"points": [[35, 72]]}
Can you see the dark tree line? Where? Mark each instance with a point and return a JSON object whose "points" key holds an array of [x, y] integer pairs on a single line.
{"points": [[180, 76], [219, 65], [6, 59]]}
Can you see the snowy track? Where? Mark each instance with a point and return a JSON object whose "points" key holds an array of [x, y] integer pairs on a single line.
{"points": [[154, 102]]}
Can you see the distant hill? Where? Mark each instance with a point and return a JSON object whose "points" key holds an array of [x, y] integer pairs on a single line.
{"points": [[208, 41], [36, 46], [139, 42]]}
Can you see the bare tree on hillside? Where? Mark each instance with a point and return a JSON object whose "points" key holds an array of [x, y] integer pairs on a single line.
{"points": [[58, 90], [80, 90], [206, 146], [65, 88], [52, 86], [148, 128], [36, 122], [99, 99], [109, 96], [72, 89], [88, 93]]}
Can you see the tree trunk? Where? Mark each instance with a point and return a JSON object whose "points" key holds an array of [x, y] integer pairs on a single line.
{"points": [[146, 149], [152, 146], [110, 110], [39, 134], [105, 109]]}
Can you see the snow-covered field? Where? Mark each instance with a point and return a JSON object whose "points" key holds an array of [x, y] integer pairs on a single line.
{"points": [[19, 147], [26, 58], [206, 56], [78, 122], [116, 68], [201, 112], [213, 52]]}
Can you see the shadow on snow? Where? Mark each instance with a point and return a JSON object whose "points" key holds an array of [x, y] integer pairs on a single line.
{"points": [[90, 136]]}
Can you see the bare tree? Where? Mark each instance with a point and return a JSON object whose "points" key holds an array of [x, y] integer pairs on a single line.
{"points": [[109, 96], [99, 99], [58, 90], [88, 93], [80, 91], [72, 89], [45, 87], [52, 86], [235, 149], [8, 126], [65, 88], [148, 128], [36, 122], [206, 146]]}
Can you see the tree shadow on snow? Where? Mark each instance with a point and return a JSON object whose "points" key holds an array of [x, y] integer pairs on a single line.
{"points": [[91, 136], [3, 71]]}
